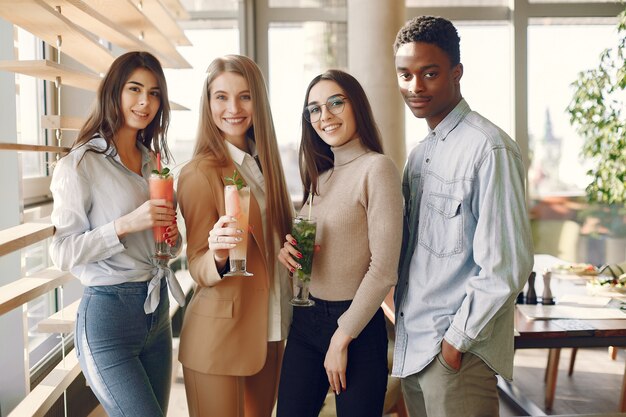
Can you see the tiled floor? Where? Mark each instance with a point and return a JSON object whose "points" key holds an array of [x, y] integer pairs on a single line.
{"points": [[594, 387]]}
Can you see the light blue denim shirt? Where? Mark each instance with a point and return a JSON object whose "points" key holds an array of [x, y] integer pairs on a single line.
{"points": [[467, 248], [91, 190]]}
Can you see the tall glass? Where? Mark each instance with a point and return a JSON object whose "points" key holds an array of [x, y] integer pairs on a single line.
{"points": [[237, 203], [303, 232], [161, 188]]}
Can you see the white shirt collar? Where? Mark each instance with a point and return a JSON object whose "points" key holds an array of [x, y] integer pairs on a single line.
{"points": [[237, 155]]}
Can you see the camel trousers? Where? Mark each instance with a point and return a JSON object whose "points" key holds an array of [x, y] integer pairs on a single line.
{"points": [[235, 396]]}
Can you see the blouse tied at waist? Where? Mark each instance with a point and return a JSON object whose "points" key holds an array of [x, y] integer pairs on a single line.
{"points": [[162, 270]]}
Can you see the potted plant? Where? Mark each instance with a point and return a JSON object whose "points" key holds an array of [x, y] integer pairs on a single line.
{"points": [[598, 113]]}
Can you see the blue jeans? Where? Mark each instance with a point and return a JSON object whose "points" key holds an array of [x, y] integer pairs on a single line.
{"points": [[303, 380], [125, 354]]}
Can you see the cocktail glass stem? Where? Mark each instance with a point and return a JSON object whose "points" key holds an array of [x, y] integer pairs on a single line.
{"points": [[301, 299]]}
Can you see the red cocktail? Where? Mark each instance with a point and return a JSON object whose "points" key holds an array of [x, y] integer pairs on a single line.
{"points": [[161, 187]]}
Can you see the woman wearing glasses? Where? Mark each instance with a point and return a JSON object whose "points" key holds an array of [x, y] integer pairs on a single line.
{"points": [[341, 341], [231, 343]]}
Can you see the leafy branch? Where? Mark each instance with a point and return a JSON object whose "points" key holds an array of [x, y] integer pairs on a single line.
{"points": [[597, 112]]}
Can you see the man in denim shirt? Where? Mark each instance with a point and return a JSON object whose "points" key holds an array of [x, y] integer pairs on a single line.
{"points": [[467, 248]]}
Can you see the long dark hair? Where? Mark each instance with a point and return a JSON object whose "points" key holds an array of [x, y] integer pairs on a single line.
{"points": [[315, 156], [107, 117]]}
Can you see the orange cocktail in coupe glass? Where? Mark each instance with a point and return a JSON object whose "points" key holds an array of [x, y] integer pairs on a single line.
{"points": [[161, 184], [237, 204]]}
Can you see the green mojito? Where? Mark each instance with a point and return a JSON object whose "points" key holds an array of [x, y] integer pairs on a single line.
{"points": [[303, 232]]}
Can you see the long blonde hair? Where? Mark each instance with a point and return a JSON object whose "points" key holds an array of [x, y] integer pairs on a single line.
{"points": [[210, 141]]}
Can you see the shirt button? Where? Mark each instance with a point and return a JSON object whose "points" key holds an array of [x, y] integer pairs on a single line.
{"points": [[427, 160], [401, 314]]}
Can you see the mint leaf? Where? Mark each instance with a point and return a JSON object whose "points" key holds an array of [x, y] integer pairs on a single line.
{"points": [[164, 173], [235, 180]]}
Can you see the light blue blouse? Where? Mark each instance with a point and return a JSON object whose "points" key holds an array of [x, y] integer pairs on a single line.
{"points": [[92, 190]]}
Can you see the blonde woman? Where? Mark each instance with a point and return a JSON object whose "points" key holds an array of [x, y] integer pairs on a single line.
{"points": [[232, 340]]}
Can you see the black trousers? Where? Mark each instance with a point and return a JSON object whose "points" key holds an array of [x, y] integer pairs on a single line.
{"points": [[303, 381]]}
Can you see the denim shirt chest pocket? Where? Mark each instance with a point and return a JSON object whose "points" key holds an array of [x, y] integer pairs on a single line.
{"points": [[441, 225]]}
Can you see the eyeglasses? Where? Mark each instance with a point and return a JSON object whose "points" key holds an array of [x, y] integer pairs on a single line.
{"points": [[313, 112]]}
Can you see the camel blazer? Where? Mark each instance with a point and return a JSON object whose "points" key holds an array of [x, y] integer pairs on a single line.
{"points": [[225, 327]]}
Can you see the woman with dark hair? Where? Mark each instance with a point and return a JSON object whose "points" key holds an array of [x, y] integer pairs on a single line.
{"points": [[354, 193], [232, 339], [104, 217]]}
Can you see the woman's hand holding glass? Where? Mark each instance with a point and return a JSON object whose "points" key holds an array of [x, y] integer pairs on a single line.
{"points": [[288, 254], [171, 233], [152, 213], [224, 236]]}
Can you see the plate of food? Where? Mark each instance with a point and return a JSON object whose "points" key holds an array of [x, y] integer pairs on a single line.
{"points": [[575, 269], [608, 283]]}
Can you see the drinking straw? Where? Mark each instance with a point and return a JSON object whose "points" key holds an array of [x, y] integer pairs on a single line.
{"points": [[158, 155], [309, 203]]}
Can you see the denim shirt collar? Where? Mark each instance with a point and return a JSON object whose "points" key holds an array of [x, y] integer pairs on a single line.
{"points": [[451, 121]]}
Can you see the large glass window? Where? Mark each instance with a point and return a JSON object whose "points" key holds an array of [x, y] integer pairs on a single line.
{"points": [[297, 53], [553, 65], [564, 223], [307, 3], [210, 5], [486, 83], [35, 258], [29, 95], [29, 102], [569, 1], [455, 3]]}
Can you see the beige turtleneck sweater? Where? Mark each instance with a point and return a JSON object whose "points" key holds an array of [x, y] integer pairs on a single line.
{"points": [[359, 230]]}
